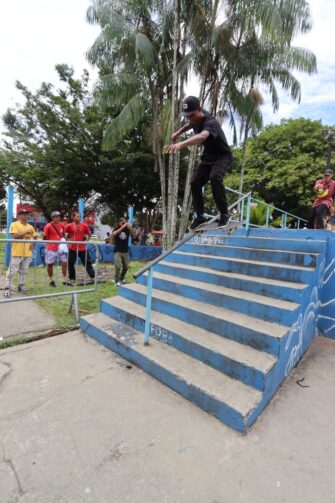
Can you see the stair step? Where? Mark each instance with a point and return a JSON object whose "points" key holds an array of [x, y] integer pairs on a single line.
{"points": [[252, 262], [274, 243], [238, 294], [242, 266], [233, 358], [226, 398], [280, 256], [255, 332], [245, 277]]}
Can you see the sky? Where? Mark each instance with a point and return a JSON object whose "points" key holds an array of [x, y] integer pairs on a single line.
{"points": [[36, 35]]}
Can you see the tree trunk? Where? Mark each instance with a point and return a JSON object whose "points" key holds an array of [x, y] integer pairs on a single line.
{"points": [[185, 211], [174, 159]]}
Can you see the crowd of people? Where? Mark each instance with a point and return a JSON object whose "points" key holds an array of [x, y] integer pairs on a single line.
{"points": [[59, 250]]}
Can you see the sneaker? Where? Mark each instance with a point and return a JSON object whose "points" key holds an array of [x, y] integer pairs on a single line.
{"points": [[53, 284], [6, 293], [223, 220], [22, 288], [123, 281], [66, 283], [198, 221], [118, 283]]}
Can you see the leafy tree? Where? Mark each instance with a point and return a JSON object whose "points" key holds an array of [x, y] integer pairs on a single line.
{"points": [[49, 151], [283, 163], [53, 153]]}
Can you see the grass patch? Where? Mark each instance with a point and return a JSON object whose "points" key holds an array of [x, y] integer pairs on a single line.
{"points": [[58, 307], [38, 283]]}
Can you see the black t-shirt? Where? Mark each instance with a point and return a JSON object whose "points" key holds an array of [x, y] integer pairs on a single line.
{"points": [[121, 241], [216, 145]]}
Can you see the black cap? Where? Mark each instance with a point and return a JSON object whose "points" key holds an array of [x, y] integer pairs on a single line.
{"points": [[22, 212], [190, 105], [328, 171]]}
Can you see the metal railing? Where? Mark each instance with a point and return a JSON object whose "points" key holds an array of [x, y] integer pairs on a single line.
{"points": [[36, 277], [253, 201]]}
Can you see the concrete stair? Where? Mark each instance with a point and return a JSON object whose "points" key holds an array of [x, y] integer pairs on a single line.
{"points": [[230, 317]]}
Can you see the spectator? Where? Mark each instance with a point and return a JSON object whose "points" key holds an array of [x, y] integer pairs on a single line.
{"points": [[144, 235], [77, 231], [20, 252], [120, 238], [107, 238], [150, 239], [325, 190], [55, 254]]}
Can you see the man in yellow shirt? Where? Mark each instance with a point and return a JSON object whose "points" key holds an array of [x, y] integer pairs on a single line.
{"points": [[20, 253]]}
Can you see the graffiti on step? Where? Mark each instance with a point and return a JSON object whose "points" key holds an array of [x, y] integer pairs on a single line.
{"points": [[208, 240], [161, 334]]}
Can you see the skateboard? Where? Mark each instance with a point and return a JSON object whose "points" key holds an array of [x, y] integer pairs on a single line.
{"points": [[213, 225]]}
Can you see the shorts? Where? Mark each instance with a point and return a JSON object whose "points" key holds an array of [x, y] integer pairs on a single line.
{"points": [[53, 256]]}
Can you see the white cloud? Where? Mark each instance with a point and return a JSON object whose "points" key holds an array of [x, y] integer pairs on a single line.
{"points": [[36, 35]]}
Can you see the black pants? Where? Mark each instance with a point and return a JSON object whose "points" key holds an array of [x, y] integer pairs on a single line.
{"points": [[316, 219], [213, 172], [85, 260]]}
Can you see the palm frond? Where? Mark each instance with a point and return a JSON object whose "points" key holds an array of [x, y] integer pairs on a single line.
{"points": [[127, 119]]}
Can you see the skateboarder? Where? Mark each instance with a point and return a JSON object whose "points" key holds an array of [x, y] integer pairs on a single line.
{"points": [[214, 163]]}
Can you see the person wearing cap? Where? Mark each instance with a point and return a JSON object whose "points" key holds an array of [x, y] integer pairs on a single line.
{"points": [[54, 253], [325, 190], [215, 160], [20, 252], [120, 238]]}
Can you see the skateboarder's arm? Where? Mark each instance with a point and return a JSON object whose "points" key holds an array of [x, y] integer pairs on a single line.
{"points": [[197, 139], [180, 131]]}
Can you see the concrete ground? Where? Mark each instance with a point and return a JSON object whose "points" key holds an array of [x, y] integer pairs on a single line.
{"points": [[78, 426], [22, 317]]}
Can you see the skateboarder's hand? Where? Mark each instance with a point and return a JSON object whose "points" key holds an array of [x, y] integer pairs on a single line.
{"points": [[171, 149]]}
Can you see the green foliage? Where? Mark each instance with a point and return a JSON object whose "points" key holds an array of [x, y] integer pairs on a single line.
{"points": [[53, 152], [282, 164], [50, 150]]}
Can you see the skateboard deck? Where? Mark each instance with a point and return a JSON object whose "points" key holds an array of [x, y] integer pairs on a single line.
{"points": [[210, 226]]}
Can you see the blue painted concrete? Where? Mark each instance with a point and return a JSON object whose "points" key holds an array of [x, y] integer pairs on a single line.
{"points": [[292, 258], [196, 395], [270, 242], [230, 329], [247, 374], [265, 271], [249, 307], [314, 314], [248, 284]]}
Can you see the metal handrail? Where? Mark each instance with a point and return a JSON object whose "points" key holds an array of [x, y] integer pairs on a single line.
{"points": [[186, 238]]}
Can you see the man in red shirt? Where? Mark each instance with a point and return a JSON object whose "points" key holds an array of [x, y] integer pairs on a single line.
{"points": [[325, 191], [54, 253], [77, 231]]}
